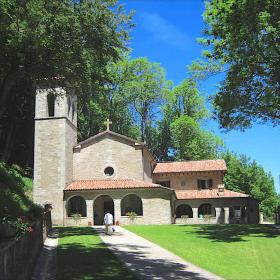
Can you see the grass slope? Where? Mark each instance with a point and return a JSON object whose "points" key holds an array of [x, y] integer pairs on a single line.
{"points": [[231, 251], [82, 256]]}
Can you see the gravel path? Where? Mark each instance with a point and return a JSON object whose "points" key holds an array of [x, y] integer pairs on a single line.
{"points": [[46, 265], [148, 260]]}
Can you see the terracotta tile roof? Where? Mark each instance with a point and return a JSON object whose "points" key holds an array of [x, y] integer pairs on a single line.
{"points": [[110, 184], [214, 193], [190, 166]]}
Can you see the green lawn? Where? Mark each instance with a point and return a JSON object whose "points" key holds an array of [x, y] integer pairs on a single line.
{"points": [[231, 251], [82, 256]]}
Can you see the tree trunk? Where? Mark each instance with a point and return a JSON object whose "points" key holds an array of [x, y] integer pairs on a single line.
{"points": [[9, 143], [5, 92]]}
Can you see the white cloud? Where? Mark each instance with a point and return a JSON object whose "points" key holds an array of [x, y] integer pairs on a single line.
{"points": [[164, 31]]}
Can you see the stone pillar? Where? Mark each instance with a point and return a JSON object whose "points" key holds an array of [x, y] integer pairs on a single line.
{"points": [[195, 213], [219, 215], [89, 204], [226, 212], [117, 209], [64, 211]]}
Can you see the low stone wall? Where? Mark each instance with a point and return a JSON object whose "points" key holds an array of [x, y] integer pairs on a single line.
{"points": [[18, 256], [190, 221], [83, 221]]}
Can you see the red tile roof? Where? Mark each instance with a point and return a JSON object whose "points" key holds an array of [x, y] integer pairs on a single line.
{"points": [[110, 184], [190, 166], [214, 193]]}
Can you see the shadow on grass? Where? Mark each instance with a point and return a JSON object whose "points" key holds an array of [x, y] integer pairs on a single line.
{"points": [[235, 233], [140, 261], [87, 259]]}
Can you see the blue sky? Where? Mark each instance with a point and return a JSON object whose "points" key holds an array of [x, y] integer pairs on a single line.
{"points": [[166, 32]]}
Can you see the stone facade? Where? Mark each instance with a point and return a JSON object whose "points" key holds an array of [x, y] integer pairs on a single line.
{"points": [[188, 181], [108, 151], [55, 137], [59, 162], [156, 206]]}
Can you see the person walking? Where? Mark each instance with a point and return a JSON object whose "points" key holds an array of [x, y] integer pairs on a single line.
{"points": [[108, 222]]}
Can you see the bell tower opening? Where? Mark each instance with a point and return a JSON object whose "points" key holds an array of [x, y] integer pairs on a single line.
{"points": [[51, 104]]}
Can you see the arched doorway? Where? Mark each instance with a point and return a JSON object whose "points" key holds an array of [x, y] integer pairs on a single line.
{"points": [[102, 204], [76, 205], [184, 210], [206, 209], [131, 203]]}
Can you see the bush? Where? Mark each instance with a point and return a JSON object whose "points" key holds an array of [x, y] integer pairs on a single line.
{"points": [[16, 206]]}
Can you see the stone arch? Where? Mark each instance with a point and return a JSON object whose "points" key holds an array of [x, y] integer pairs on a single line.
{"points": [[51, 104], [131, 203], [76, 205], [101, 205], [184, 210], [206, 209]]}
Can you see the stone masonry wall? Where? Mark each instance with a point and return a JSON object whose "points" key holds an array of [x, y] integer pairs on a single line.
{"points": [[156, 205], [188, 181], [91, 160], [54, 141]]}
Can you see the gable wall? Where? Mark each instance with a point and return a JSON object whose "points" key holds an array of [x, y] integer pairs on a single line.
{"points": [[90, 161], [147, 167], [190, 179]]}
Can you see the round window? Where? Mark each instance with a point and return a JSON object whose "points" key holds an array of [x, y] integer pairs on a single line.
{"points": [[109, 171]]}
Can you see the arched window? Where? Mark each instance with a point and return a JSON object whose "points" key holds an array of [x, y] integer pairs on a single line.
{"points": [[131, 203], [51, 104], [184, 210], [206, 209], [73, 110], [77, 205]]}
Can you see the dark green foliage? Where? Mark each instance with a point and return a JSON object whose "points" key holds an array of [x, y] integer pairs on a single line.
{"points": [[55, 40], [249, 177], [15, 189], [245, 36]]}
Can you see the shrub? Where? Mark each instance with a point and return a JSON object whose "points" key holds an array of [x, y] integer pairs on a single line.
{"points": [[16, 206], [132, 215]]}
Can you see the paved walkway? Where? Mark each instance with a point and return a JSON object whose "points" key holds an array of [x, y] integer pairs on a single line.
{"points": [[46, 264], [150, 261]]}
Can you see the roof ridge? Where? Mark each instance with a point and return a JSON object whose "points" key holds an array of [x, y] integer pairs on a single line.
{"points": [[108, 132], [181, 161]]}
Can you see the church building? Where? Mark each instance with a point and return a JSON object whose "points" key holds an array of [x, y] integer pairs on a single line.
{"points": [[112, 172]]}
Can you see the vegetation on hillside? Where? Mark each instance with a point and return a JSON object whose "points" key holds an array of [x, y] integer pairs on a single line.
{"points": [[248, 176], [16, 206]]}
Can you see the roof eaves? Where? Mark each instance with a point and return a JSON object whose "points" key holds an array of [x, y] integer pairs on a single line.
{"points": [[79, 145]]}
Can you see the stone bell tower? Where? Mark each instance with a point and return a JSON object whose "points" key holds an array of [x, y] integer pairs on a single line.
{"points": [[55, 136]]}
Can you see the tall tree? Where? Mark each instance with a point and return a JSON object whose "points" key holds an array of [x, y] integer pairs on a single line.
{"points": [[181, 133], [144, 89], [191, 142], [245, 36], [73, 40]]}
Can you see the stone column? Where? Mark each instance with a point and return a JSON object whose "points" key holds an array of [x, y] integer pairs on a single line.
{"points": [[195, 213], [219, 215], [64, 211], [117, 209], [226, 212], [89, 204]]}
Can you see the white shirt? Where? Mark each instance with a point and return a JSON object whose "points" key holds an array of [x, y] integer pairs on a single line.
{"points": [[108, 219]]}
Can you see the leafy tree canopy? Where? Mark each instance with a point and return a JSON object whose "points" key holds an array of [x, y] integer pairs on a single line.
{"points": [[54, 40], [245, 37], [59, 38], [249, 177]]}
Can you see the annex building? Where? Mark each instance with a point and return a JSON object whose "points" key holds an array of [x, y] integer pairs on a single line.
{"points": [[113, 172]]}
